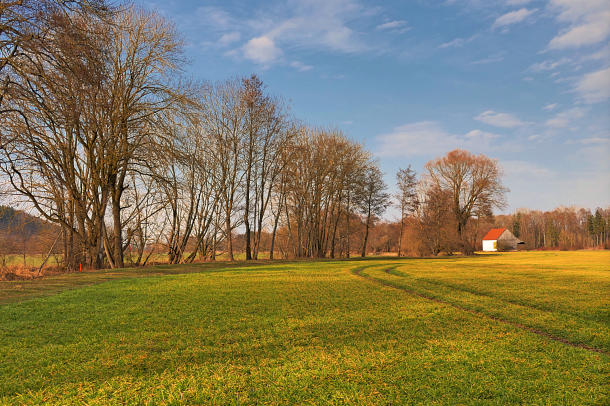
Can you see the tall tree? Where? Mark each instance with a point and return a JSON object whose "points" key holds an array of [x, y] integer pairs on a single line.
{"points": [[406, 180], [474, 182], [372, 199], [223, 120], [143, 52]]}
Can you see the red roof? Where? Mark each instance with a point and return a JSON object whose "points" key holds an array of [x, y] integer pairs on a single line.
{"points": [[494, 233]]}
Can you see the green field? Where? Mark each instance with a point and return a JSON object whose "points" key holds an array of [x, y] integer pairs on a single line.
{"points": [[530, 328]]}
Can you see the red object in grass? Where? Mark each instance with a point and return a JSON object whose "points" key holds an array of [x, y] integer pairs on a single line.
{"points": [[81, 267]]}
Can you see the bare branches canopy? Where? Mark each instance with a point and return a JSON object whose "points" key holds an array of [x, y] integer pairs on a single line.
{"points": [[100, 137]]}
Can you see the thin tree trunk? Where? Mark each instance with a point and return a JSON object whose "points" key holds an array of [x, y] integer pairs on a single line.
{"points": [[229, 238], [347, 232], [402, 226], [117, 237], [366, 233]]}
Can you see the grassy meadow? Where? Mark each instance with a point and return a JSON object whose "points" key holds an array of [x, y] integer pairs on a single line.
{"points": [[527, 327]]}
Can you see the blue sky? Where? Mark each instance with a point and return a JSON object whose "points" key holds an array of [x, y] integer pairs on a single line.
{"points": [[525, 82]]}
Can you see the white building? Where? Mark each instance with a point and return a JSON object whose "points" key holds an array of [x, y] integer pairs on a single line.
{"points": [[500, 239]]}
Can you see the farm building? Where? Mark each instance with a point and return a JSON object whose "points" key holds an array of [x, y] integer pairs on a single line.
{"points": [[500, 239]]}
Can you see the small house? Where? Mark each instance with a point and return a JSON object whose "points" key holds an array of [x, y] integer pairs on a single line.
{"points": [[500, 239]]}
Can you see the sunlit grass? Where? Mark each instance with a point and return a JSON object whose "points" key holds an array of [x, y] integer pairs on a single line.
{"points": [[313, 332]]}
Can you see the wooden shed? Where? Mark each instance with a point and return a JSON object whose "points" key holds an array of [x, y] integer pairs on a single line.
{"points": [[500, 239]]}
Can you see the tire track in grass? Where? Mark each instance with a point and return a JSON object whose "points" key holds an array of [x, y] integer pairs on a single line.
{"points": [[541, 333], [457, 287]]}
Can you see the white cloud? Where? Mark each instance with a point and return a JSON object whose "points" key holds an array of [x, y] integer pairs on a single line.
{"points": [[480, 134], [565, 118], [300, 66], [229, 38], [520, 168], [513, 17], [215, 17], [587, 19], [595, 140], [457, 42], [396, 25], [308, 24], [594, 87], [429, 138], [549, 65], [261, 50], [588, 33], [420, 138], [503, 120], [550, 107]]}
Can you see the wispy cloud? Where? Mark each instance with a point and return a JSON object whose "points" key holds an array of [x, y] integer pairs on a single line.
{"points": [[550, 107], [565, 118], [457, 42], [594, 87], [513, 17], [398, 26], [503, 120], [549, 65], [229, 38], [429, 138], [300, 66], [215, 17], [587, 22], [519, 168], [311, 24], [474, 134]]}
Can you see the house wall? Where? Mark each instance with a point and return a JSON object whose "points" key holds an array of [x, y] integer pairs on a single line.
{"points": [[489, 245]]}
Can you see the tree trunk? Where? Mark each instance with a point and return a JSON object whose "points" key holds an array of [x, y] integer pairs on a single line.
{"points": [[275, 223], [366, 233], [402, 227], [117, 238], [229, 238], [347, 227], [247, 221]]}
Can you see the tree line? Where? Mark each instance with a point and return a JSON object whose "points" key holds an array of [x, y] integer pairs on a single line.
{"points": [[563, 228], [103, 136]]}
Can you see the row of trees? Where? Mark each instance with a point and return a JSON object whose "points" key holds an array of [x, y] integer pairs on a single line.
{"points": [[562, 228], [102, 138]]}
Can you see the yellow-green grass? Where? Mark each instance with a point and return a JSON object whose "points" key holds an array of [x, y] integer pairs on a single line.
{"points": [[491, 329]]}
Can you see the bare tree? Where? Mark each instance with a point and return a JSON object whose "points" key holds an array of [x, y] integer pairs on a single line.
{"points": [[144, 51], [372, 199], [267, 134], [406, 180], [474, 182], [436, 221], [53, 158], [223, 120]]}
